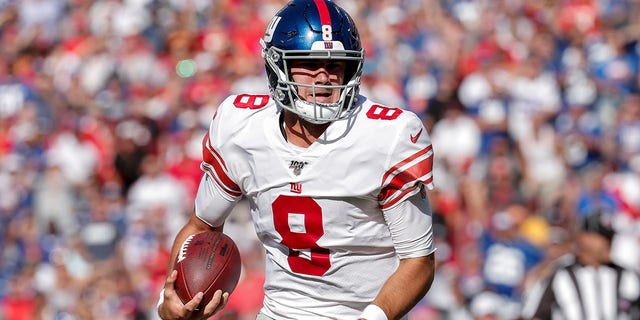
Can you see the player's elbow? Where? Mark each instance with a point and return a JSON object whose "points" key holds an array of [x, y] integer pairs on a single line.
{"points": [[429, 271]]}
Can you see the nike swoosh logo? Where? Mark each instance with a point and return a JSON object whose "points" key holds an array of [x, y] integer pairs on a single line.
{"points": [[414, 139]]}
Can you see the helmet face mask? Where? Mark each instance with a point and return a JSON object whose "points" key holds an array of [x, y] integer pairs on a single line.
{"points": [[308, 29]]}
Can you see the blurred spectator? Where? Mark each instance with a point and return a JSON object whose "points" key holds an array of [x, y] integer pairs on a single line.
{"points": [[487, 306], [543, 163], [457, 137], [595, 194], [628, 133], [75, 155], [132, 144], [21, 300], [54, 203], [507, 256], [157, 197], [444, 95], [495, 177]]}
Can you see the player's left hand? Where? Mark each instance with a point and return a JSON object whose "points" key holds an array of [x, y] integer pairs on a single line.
{"points": [[172, 307]]}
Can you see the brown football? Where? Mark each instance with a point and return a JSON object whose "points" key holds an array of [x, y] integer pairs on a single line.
{"points": [[207, 261]]}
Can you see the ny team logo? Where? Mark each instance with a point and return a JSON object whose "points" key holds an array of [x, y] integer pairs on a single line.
{"points": [[295, 187], [297, 166]]}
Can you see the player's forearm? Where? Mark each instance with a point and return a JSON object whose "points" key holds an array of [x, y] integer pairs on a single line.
{"points": [[195, 225], [406, 286]]}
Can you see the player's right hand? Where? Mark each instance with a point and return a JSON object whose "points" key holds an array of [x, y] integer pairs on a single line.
{"points": [[172, 307]]}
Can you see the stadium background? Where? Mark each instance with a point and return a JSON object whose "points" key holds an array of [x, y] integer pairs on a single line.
{"points": [[533, 108]]}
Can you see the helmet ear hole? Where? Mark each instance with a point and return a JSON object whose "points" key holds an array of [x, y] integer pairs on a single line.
{"points": [[351, 70], [272, 76]]}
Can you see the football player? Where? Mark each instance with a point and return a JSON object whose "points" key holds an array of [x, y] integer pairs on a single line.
{"points": [[336, 182]]}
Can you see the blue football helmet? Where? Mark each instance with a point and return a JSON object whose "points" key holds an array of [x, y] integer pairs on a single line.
{"points": [[312, 29]]}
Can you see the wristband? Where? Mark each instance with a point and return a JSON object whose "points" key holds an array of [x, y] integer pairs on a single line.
{"points": [[161, 300], [373, 312]]}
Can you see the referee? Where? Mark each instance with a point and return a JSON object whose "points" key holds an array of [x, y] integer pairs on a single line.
{"points": [[588, 285]]}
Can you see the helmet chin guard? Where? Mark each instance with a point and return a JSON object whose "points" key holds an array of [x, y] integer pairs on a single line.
{"points": [[317, 112], [308, 29]]}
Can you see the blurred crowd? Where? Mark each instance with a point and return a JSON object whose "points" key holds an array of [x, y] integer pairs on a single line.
{"points": [[533, 108]]}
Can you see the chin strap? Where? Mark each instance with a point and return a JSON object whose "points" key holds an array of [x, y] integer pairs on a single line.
{"points": [[281, 125]]}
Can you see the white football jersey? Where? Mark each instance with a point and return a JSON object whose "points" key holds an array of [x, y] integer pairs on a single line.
{"points": [[319, 210]]}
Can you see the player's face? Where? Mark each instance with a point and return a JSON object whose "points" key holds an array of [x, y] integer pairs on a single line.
{"points": [[318, 72]]}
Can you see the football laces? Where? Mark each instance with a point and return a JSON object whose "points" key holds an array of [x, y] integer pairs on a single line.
{"points": [[183, 249]]}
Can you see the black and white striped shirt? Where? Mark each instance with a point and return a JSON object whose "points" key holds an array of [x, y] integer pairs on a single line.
{"points": [[581, 292]]}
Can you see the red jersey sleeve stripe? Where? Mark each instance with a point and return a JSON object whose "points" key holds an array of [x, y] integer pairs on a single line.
{"points": [[397, 199], [428, 152], [418, 171], [401, 183], [215, 166], [402, 178]]}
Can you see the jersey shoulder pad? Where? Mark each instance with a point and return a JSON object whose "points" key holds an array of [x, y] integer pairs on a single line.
{"points": [[218, 146], [242, 106], [394, 125], [235, 111], [410, 154]]}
